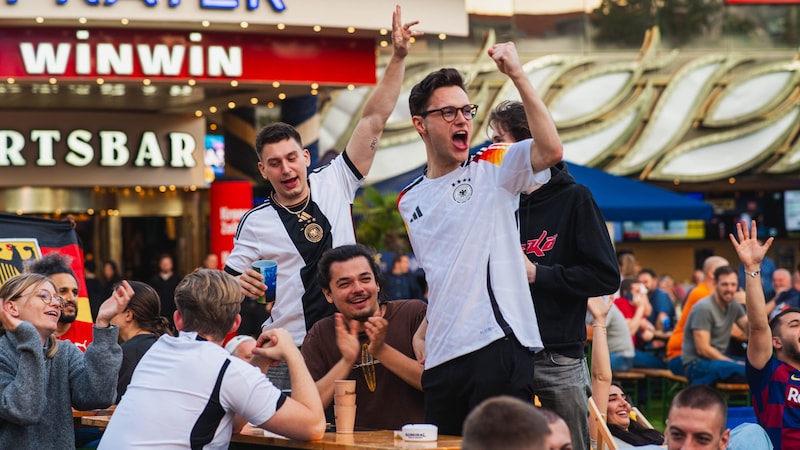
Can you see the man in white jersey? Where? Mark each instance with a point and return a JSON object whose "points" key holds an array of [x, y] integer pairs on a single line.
{"points": [[482, 329], [189, 392], [306, 215]]}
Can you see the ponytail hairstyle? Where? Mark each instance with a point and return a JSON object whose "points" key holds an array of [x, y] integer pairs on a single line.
{"points": [[146, 308]]}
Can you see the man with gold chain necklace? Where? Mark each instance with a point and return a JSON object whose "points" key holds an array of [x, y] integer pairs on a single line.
{"points": [[368, 340], [307, 214]]}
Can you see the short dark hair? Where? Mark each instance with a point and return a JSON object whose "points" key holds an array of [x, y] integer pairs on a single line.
{"points": [[702, 397], [511, 116], [276, 132], [775, 322], [341, 254], [648, 271], [506, 423], [722, 271], [550, 416], [627, 284], [52, 264], [421, 92], [397, 257]]}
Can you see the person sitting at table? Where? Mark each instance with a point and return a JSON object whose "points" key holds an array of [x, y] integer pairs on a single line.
{"points": [[41, 378], [140, 326], [187, 390], [368, 340], [505, 423], [627, 432]]}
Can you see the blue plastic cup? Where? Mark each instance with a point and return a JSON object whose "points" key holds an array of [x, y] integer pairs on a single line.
{"points": [[269, 270]]}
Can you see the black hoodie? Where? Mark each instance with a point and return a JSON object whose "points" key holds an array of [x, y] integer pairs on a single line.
{"points": [[563, 232]]}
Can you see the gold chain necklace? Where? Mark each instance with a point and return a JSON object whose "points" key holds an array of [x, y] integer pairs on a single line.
{"points": [[302, 215], [368, 367], [311, 230]]}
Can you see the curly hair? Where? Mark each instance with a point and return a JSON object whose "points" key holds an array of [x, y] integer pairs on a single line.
{"points": [[510, 115]]}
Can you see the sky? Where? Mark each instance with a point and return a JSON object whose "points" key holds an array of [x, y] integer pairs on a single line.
{"points": [[508, 7]]}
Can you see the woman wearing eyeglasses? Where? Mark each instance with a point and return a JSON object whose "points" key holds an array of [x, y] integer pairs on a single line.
{"points": [[41, 379]]}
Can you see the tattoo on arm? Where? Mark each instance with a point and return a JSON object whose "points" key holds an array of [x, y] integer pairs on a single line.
{"points": [[374, 144]]}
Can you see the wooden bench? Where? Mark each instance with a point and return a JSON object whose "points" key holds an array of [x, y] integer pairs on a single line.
{"points": [[669, 385], [735, 393]]}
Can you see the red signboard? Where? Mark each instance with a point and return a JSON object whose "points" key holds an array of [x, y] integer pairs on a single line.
{"points": [[228, 201], [763, 2], [158, 55]]}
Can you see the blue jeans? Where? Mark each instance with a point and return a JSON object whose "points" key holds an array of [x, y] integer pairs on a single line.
{"points": [[648, 360], [708, 372], [563, 385], [620, 363], [676, 366]]}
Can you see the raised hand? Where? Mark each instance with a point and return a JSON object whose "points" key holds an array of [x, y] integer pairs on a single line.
{"points": [[599, 308], [506, 57], [402, 33], [750, 251], [115, 304]]}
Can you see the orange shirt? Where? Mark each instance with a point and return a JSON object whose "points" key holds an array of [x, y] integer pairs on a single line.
{"points": [[675, 343]]}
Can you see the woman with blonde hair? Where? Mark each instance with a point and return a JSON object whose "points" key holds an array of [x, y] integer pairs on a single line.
{"points": [[42, 379]]}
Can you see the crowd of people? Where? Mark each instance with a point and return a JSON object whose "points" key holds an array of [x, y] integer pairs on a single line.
{"points": [[519, 270]]}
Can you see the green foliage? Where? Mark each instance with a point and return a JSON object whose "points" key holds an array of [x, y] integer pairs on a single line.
{"points": [[378, 223], [624, 22]]}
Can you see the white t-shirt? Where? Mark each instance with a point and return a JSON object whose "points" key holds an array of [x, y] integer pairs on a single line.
{"points": [[464, 234], [171, 388], [269, 232]]}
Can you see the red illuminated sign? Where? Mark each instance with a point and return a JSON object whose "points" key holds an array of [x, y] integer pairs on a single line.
{"points": [[763, 2], [114, 54]]}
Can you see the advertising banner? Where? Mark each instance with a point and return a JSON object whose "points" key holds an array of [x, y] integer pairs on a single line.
{"points": [[228, 201]]}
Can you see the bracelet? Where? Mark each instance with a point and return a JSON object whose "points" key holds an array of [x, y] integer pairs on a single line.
{"points": [[598, 325]]}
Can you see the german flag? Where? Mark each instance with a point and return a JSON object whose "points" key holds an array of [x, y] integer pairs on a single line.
{"points": [[25, 238]]}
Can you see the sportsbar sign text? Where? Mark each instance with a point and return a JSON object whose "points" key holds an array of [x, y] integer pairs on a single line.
{"points": [[100, 149], [179, 56]]}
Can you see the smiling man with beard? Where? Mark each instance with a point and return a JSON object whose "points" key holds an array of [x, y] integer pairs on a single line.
{"points": [[368, 340], [57, 267]]}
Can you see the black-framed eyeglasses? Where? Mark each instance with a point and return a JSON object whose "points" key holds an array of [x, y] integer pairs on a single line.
{"points": [[46, 297], [449, 112]]}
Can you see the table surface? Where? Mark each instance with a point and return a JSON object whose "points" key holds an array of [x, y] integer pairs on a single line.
{"points": [[377, 439]]}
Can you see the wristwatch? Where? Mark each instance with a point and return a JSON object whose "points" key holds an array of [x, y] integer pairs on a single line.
{"points": [[753, 274]]}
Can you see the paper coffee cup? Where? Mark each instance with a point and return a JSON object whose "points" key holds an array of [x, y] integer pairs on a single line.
{"points": [[345, 418], [269, 270], [344, 400], [344, 387]]}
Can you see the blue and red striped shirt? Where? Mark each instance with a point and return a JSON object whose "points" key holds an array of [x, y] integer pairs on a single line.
{"points": [[775, 390]]}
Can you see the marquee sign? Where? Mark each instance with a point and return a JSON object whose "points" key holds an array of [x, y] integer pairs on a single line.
{"points": [[114, 54]]}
